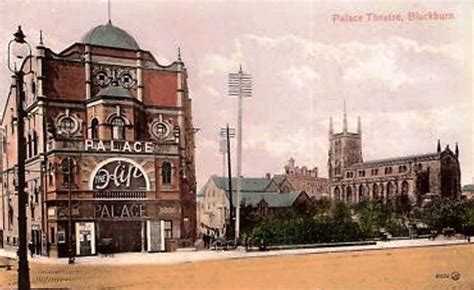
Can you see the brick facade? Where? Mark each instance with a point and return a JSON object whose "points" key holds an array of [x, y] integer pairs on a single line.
{"points": [[125, 121]]}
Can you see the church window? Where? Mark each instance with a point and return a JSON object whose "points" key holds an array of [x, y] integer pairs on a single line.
{"points": [[375, 191], [405, 187], [361, 173], [388, 170], [349, 194]]}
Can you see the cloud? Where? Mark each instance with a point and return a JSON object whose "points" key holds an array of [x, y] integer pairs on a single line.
{"points": [[299, 76], [361, 62], [214, 63], [398, 85]]}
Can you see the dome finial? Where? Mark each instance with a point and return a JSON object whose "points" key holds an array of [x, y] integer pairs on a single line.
{"points": [[179, 54], [41, 38], [108, 12]]}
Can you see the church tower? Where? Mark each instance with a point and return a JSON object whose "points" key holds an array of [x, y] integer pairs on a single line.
{"points": [[345, 148]]}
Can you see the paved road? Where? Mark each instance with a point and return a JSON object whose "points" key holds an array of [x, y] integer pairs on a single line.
{"points": [[408, 268], [187, 255]]}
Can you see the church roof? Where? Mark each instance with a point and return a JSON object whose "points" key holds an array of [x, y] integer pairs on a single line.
{"points": [[114, 91], [397, 160], [110, 36]]}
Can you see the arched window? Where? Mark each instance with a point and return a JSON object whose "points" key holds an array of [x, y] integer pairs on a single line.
{"points": [[118, 128], [337, 193], [405, 187], [390, 190], [375, 191], [67, 170], [361, 192], [166, 173], [94, 128], [349, 194]]}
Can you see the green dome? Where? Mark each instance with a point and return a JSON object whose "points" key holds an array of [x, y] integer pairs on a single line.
{"points": [[110, 36]]}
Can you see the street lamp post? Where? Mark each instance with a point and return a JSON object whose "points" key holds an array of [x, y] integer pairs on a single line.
{"points": [[240, 85], [70, 167], [228, 133], [17, 66]]}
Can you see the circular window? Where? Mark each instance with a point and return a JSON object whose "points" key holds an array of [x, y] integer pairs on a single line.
{"points": [[126, 80], [160, 130], [68, 125], [102, 79]]}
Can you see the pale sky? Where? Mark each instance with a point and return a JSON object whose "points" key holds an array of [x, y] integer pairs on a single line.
{"points": [[409, 81]]}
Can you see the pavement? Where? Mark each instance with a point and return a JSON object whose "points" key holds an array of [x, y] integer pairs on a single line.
{"points": [[189, 255]]}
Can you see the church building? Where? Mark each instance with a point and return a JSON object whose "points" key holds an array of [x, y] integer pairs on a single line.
{"points": [[110, 150], [352, 179]]}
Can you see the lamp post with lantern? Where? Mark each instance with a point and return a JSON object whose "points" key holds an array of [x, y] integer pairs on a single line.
{"points": [[19, 55]]}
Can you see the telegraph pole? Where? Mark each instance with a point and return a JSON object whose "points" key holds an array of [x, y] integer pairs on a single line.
{"points": [[229, 133], [69, 205], [240, 85]]}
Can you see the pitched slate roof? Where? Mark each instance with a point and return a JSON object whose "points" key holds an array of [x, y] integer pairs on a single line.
{"points": [[273, 199], [279, 178], [114, 91], [247, 184], [397, 160]]}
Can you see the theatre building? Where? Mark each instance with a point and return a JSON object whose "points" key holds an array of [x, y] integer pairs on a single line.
{"points": [[110, 150]]}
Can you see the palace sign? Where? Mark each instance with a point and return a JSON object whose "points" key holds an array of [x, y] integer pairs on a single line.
{"points": [[119, 211], [118, 146], [119, 174]]}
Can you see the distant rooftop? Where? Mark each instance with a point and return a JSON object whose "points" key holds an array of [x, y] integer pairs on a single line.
{"points": [[273, 199], [250, 184]]}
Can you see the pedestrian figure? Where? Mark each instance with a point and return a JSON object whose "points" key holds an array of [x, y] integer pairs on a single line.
{"points": [[212, 239], [262, 246], [31, 248], [205, 238]]}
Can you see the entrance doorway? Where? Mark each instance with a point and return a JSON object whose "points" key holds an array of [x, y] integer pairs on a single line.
{"points": [[85, 238], [119, 236], [36, 241]]}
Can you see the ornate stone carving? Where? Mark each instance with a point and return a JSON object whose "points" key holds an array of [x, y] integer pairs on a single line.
{"points": [[104, 76]]}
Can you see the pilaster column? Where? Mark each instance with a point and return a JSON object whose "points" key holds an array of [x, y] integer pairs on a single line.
{"points": [[87, 69], [139, 76]]}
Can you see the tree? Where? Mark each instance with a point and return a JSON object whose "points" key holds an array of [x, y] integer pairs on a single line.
{"points": [[444, 212]]}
